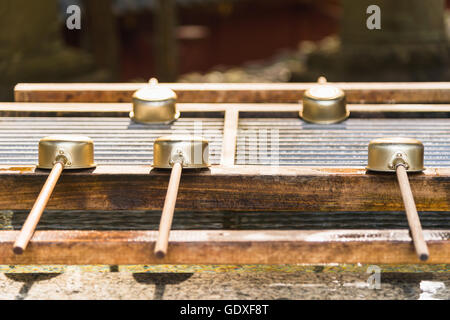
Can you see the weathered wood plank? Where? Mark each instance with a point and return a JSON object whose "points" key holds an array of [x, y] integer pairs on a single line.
{"points": [[226, 247], [61, 109], [240, 188], [414, 92]]}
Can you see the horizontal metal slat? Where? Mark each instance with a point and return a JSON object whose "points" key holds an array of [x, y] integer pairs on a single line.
{"points": [[116, 140], [290, 141]]}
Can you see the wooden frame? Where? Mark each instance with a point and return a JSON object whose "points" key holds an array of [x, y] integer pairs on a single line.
{"points": [[278, 188], [265, 188], [43, 109], [226, 247], [236, 188], [415, 92]]}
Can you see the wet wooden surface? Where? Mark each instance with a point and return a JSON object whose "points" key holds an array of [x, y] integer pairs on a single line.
{"points": [[225, 247], [240, 188], [414, 92]]}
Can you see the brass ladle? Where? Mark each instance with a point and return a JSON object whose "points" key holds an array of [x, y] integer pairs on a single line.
{"points": [[176, 153], [154, 104], [324, 104], [402, 155], [56, 153]]}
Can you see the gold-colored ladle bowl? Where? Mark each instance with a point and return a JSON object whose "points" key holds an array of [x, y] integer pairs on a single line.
{"points": [[386, 153], [78, 152], [191, 151], [154, 104], [324, 104]]}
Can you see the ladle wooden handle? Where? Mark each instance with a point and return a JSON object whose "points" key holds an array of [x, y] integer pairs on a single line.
{"points": [[167, 215], [36, 212], [411, 213]]}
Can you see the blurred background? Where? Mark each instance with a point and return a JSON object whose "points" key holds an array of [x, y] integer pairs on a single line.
{"points": [[222, 41]]}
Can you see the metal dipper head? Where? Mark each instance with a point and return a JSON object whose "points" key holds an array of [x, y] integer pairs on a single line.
{"points": [[76, 152], [324, 104], [191, 151], [385, 154], [154, 104]]}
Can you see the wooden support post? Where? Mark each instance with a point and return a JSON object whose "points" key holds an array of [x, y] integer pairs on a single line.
{"points": [[166, 51], [103, 37], [230, 132]]}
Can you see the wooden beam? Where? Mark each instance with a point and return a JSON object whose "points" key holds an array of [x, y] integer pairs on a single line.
{"points": [[360, 93], [79, 109], [225, 247], [238, 188]]}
